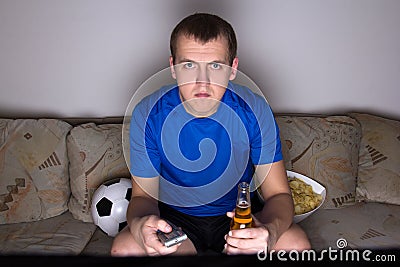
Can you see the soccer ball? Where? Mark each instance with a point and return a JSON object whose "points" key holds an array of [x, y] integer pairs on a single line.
{"points": [[109, 204]]}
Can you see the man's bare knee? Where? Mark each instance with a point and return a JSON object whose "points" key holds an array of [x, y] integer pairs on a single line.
{"points": [[124, 245]]}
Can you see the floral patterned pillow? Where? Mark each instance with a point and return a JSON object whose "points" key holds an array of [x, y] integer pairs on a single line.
{"points": [[324, 149], [96, 155], [379, 163], [34, 183]]}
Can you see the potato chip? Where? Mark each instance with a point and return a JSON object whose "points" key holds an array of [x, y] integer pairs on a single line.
{"points": [[304, 198]]}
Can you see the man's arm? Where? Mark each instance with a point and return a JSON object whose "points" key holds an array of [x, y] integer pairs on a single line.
{"points": [[143, 216], [144, 198], [275, 218], [278, 211]]}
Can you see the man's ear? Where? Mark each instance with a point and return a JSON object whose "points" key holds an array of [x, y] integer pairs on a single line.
{"points": [[234, 68], [171, 65]]}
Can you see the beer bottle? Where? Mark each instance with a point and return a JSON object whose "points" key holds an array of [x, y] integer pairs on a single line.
{"points": [[242, 218]]}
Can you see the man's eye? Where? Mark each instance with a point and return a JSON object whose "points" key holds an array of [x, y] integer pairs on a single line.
{"points": [[215, 66], [189, 65]]}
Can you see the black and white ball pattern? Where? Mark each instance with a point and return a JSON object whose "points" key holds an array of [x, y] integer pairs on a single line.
{"points": [[109, 204]]}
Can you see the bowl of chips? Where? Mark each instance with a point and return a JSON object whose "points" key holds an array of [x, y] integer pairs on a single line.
{"points": [[308, 195]]}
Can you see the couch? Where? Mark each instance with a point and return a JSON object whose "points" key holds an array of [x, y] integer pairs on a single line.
{"points": [[50, 168]]}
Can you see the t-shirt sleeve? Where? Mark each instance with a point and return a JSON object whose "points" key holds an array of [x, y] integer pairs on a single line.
{"points": [[265, 143], [144, 156]]}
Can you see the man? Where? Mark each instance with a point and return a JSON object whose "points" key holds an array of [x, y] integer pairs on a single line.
{"points": [[192, 143]]}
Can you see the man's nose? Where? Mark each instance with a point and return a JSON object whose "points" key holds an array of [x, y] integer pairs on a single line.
{"points": [[202, 75]]}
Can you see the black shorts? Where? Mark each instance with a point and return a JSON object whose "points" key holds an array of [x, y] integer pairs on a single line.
{"points": [[206, 232]]}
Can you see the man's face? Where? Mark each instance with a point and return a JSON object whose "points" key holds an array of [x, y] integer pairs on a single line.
{"points": [[202, 72]]}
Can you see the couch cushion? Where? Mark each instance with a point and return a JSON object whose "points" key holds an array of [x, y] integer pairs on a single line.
{"points": [[325, 149], [96, 155], [362, 226], [379, 163], [60, 235], [34, 182], [285, 153], [99, 245]]}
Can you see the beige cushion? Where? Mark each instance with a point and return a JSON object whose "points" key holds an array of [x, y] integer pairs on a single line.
{"points": [[285, 153], [34, 182], [325, 149], [96, 155], [360, 226], [99, 245], [59, 235], [379, 163]]}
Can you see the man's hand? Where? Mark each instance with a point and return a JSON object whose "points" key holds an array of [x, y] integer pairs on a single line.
{"points": [[249, 240], [145, 234]]}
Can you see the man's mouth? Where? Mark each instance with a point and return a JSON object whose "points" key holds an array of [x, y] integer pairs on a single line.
{"points": [[203, 94]]}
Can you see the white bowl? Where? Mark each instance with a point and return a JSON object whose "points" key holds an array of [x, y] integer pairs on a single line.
{"points": [[317, 188]]}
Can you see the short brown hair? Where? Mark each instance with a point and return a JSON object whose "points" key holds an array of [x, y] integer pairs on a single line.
{"points": [[204, 28]]}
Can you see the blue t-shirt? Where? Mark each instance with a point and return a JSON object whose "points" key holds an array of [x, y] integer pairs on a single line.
{"points": [[200, 161]]}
